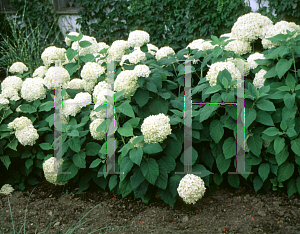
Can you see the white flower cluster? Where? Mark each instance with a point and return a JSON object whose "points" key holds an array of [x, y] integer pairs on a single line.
{"points": [[251, 60], [75, 84], [279, 28], [134, 57], [25, 131], [33, 89], [18, 67], [93, 48], [239, 47], [69, 41], [246, 69], [6, 189], [163, 52], [138, 38], [52, 53], [249, 27], [117, 50], [138, 145], [93, 129], [215, 68], [152, 47], [56, 74], [3, 100], [126, 80], [102, 45], [91, 71], [142, 70], [83, 99], [10, 87], [196, 44], [259, 79], [70, 107], [191, 188], [156, 128], [52, 165], [40, 72], [99, 91]]}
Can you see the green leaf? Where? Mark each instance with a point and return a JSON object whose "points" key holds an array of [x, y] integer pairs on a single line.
{"points": [[126, 109], [113, 181], [125, 187], [95, 163], [257, 183], [74, 144], [217, 51], [67, 166], [136, 179], [47, 106], [152, 148], [126, 130], [216, 130], [150, 170], [136, 155], [88, 58], [79, 159], [71, 68], [158, 105], [272, 131], [150, 85], [283, 66], [298, 184], [206, 111], [255, 144], [6, 161], [295, 146], [291, 187], [218, 179], [225, 82], [46, 146], [233, 180], [141, 97], [282, 156], [266, 105], [134, 122], [285, 171], [250, 116], [164, 95], [118, 95], [92, 148], [173, 148], [222, 163], [177, 112], [71, 53], [264, 118], [138, 140], [290, 81], [185, 159], [229, 148], [289, 100], [271, 73], [162, 179], [74, 133], [279, 144], [263, 171], [213, 89], [84, 44]]}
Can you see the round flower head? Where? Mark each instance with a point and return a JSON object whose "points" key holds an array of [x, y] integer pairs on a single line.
{"points": [[88, 86], [101, 86], [56, 74], [93, 48], [93, 129], [239, 47], [249, 27], [20, 123], [105, 113], [117, 50], [191, 188], [163, 52], [18, 67], [91, 71], [259, 79], [135, 57], [75, 84], [12, 82], [151, 48], [69, 41], [156, 128], [206, 45], [6, 189], [52, 53], [138, 38], [227, 35], [215, 68], [251, 60], [126, 80], [33, 89], [40, 71], [196, 44], [52, 165], [27, 135], [11, 93], [70, 107], [138, 145], [3, 100], [102, 45], [83, 99], [279, 28], [245, 70], [142, 70]]}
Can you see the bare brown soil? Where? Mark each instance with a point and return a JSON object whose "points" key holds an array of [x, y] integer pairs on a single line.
{"points": [[227, 211]]}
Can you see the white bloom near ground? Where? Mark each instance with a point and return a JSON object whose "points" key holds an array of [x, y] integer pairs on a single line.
{"points": [[191, 188], [6, 189], [52, 165], [18, 67]]}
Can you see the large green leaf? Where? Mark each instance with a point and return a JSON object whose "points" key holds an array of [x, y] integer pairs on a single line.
{"points": [[126, 109], [279, 144], [150, 170], [74, 144], [264, 118], [158, 105], [125, 187], [141, 97], [263, 171], [137, 178], [222, 163], [79, 159], [233, 180], [126, 130], [266, 105], [92, 148], [67, 166], [152, 148], [283, 66], [216, 130], [162, 179], [282, 156], [229, 148], [295, 146], [136, 155], [285, 171]]}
